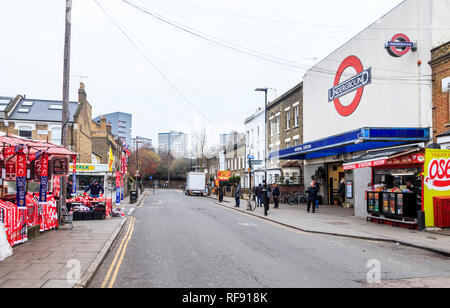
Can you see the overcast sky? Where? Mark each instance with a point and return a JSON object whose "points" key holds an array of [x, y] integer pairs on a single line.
{"points": [[218, 81]]}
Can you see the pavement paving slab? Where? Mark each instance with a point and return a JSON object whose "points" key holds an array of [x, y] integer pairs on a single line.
{"points": [[43, 262], [341, 222]]}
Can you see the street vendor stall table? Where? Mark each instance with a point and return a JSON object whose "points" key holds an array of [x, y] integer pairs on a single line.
{"points": [[29, 168], [86, 208]]}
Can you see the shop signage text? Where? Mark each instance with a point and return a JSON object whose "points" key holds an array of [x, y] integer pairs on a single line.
{"points": [[438, 174], [356, 83]]}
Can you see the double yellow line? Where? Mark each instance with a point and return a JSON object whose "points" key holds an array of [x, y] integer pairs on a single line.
{"points": [[117, 262]]}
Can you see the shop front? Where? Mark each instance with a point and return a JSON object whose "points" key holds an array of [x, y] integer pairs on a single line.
{"points": [[405, 183], [31, 172]]}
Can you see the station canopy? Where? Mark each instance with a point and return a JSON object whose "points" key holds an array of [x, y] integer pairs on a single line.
{"points": [[360, 140]]}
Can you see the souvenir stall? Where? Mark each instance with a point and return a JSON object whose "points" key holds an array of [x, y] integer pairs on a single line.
{"points": [[83, 206], [28, 197], [405, 184]]}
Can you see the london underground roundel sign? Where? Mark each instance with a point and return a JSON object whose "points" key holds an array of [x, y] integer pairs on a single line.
{"points": [[355, 83], [400, 45]]}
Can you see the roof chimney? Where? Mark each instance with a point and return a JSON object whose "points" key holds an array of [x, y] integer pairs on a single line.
{"points": [[82, 96]]}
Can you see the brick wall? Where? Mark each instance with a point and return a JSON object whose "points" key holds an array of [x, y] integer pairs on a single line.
{"points": [[440, 64]]}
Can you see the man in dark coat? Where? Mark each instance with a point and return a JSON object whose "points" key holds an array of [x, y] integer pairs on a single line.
{"points": [[96, 188], [313, 195], [238, 194], [341, 192], [265, 195], [276, 195], [258, 195]]}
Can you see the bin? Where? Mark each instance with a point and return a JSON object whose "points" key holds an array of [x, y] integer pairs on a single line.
{"points": [[133, 196]]}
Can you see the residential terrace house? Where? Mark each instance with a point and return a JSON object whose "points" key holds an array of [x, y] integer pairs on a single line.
{"points": [[41, 120], [285, 130]]}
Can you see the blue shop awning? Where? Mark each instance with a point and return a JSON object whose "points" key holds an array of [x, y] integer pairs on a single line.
{"points": [[355, 141]]}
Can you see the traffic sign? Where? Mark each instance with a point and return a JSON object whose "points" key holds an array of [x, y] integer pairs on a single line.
{"points": [[250, 157]]}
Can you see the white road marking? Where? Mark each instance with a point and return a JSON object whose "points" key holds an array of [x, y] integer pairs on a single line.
{"points": [[131, 211]]}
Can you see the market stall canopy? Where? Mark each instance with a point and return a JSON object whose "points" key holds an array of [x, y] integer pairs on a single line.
{"points": [[35, 146], [395, 156]]}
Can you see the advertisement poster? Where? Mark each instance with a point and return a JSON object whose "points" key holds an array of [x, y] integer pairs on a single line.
{"points": [[436, 180]]}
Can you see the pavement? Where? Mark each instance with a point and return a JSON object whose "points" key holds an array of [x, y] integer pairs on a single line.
{"points": [[177, 241], [63, 258], [332, 220]]}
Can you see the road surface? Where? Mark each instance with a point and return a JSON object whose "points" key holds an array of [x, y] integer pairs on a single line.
{"points": [[189, 242]]}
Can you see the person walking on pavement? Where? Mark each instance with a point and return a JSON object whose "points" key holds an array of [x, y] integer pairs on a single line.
{"points": [[258, 195], [276, 196], [341, 192], [265, 194], [238, 194], [317, 185], [312, 197], [220, 193]]}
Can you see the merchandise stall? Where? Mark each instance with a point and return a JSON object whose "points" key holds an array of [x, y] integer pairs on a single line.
{"points": [[28, 197], [405, 183], [83, 206]]}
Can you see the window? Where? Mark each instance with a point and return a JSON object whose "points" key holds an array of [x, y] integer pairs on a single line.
{"points": [[56, 135], [25, 133], [296, 116], [55, 107], [271, 127], [288, 120], [277, 119], [296, 142], [288, 144]]}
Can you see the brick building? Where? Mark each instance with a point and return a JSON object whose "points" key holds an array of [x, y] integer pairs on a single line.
{"points": [[41, 120], [285, 130], [440, 65], [103, 140]]}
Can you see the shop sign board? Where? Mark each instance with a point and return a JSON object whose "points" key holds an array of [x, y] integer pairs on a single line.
{"points": [[224, 175], [436, 180]]}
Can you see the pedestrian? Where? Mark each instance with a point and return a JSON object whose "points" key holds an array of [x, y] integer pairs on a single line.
{"points": [[276, 196], [237, 194], [265, 194], [220, 193], [341, 192], [258, 195], [317, 185], [312, 197]]}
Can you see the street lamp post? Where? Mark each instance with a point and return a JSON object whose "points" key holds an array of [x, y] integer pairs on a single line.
{"points": [[265, 129]]}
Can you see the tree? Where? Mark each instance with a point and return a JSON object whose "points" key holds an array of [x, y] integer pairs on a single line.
{"points": [[202, 151], [149, 163]]}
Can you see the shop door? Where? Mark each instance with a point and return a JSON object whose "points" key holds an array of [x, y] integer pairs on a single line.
{"points": [[335, 175]]}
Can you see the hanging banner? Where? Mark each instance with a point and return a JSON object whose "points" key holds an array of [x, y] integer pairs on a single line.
{"points": [[44, 179], [74, 178], [21, 173], [118, 193]]}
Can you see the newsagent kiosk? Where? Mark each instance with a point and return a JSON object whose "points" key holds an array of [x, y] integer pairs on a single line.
{"points": [[405, 183]]}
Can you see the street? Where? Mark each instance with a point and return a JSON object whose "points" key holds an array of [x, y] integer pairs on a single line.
{"points": [[189, 242]]}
